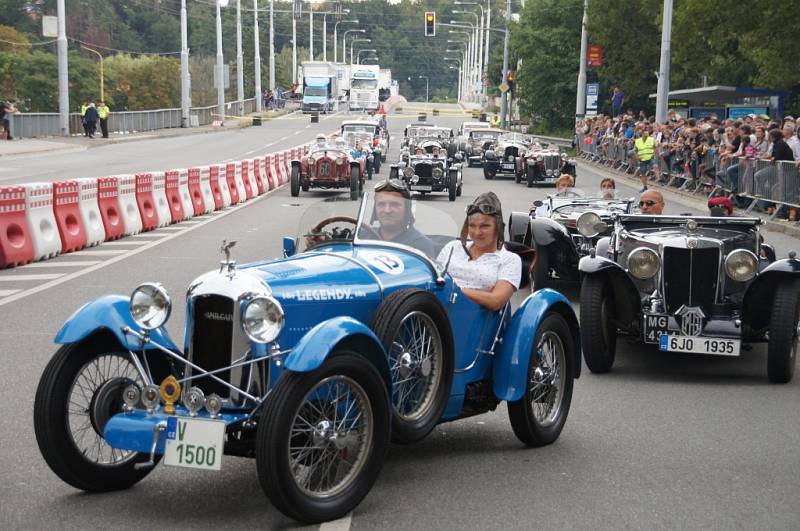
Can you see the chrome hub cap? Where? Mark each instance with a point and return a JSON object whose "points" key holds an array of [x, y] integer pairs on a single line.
{"points": [[547, 381]]}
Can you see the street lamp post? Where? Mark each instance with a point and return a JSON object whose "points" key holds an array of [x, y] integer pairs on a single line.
{"points": [[460, 73], [580, 104], [479, 40], [473, 54], [63, 70], [504, 97], [257, 57], [358, 54], [102, 91], [239, 60], [220, 64], [344, 42], [271, 46], [465, 68], [335, 47], [351, 46], [185, 93], [483, 50]]}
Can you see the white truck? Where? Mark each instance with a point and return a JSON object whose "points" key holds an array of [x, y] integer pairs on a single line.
{"points": [[384, 84], [343, 79], [320, 86], [364, 87]]}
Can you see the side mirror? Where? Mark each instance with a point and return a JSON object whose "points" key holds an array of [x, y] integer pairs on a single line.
{"points": [[289, 246]]}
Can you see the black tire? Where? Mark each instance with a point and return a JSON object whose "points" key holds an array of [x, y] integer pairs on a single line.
{"points": [[540, 278], [452, 185], [377, 164], [413, 425], [295, 182], [598, 328], [782, 345], [370, 170], [517, 178], [274, 444], [553, 334], [529, 177], [67, 456], [355, 182], [451, 150], [458, 190], [393, 173], [487, 173]]}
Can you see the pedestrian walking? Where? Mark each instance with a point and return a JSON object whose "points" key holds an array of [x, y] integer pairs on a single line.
{"points": [[102, 112], [91, 118], [84, 106], [6, 110]]}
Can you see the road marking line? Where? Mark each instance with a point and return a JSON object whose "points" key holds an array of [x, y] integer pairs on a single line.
{"points": [[22, 278], [106, 263], [342, 524], [75, 263], [308, 126], [175, 229], [100, 252], [6, 292], [124, 242]]}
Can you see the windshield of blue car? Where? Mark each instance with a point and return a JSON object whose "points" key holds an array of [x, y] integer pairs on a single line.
{"points": [[389, 218]]}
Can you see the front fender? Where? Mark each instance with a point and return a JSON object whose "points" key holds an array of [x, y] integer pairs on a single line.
{"points": [[110, 312], [762, 290], [510, 366], [339, 332], [627, 300], [546, 231]]}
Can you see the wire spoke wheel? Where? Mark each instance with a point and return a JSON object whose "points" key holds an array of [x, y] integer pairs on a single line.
{"points": [[330, 437], [546, 385], [415, 365], [92, 399]]}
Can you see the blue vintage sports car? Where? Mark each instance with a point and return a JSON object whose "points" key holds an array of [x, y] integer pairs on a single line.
{"points": [[311, 364]]}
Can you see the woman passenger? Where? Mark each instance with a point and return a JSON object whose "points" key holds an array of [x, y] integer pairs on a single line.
{"points": [[564, 182], [608, 188], [487, 273]]}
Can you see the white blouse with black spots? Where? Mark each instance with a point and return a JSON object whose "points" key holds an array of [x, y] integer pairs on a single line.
{"points": [[483, 273]]}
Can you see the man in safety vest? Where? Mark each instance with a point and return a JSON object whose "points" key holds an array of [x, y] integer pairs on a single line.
{"points": [[103, 112], [495, 121], [645, 149], [84, 106]]}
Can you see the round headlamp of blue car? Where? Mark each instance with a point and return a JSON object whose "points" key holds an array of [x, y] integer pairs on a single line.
{"points": [[262, 319], [150, 305]]}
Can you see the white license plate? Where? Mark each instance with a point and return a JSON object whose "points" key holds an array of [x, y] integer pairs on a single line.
{"points": [[421, 188], [509, 167], [194, 443], [699, 345]]}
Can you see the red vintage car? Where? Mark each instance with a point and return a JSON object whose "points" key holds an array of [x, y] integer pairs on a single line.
{"points": [[328, 166]]}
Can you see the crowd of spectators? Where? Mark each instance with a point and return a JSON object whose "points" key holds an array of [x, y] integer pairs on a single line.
{"points": [[710, 152]]}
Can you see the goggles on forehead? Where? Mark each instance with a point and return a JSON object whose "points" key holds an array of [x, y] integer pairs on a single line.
{"points": [[482, 208]]}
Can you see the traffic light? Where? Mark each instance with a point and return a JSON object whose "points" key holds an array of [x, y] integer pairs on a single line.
{"points": [[430, 23], [510, 81]]}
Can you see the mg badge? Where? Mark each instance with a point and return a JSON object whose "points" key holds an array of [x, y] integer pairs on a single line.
{"points": [[691, 319]]}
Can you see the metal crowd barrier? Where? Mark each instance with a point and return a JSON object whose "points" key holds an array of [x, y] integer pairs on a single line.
{"points": [[757, 184], [30, 125]]}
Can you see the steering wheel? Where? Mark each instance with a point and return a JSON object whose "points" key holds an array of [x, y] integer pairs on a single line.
{"points": [[318, 235]]}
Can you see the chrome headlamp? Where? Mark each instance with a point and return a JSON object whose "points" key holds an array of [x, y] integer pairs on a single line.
{"points": [[408, 172], [437, 173], [741, 265], [587, 224], [511, 158], [262, 319], [563, 156], [539, 158], [644, 263], [150, 305]]}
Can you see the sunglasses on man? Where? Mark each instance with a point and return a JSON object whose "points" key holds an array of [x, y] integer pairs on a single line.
{"points": [[649, 203]]}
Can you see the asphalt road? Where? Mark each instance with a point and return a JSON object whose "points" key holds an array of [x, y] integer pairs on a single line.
{"points": [[663, 441]]}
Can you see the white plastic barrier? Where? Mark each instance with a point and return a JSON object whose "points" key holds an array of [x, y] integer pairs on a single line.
{"points": [[160, 199], [42, 220], [205, 189], [262, 172], [131, 218], [222, 183], [183, 192], [251, 176], [90, 211], [240, 182], [277, 162]]}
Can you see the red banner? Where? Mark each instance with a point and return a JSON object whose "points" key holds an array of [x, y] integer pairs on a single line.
{"points": [[595, 55]]}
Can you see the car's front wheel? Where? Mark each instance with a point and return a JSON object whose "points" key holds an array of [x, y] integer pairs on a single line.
{"points": [[452, 185], [539, 416], [295, 183], [783, 332], [416, 333], [355, 182], [598, 323], [488, 173], [80, 390], [323, 437]]}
